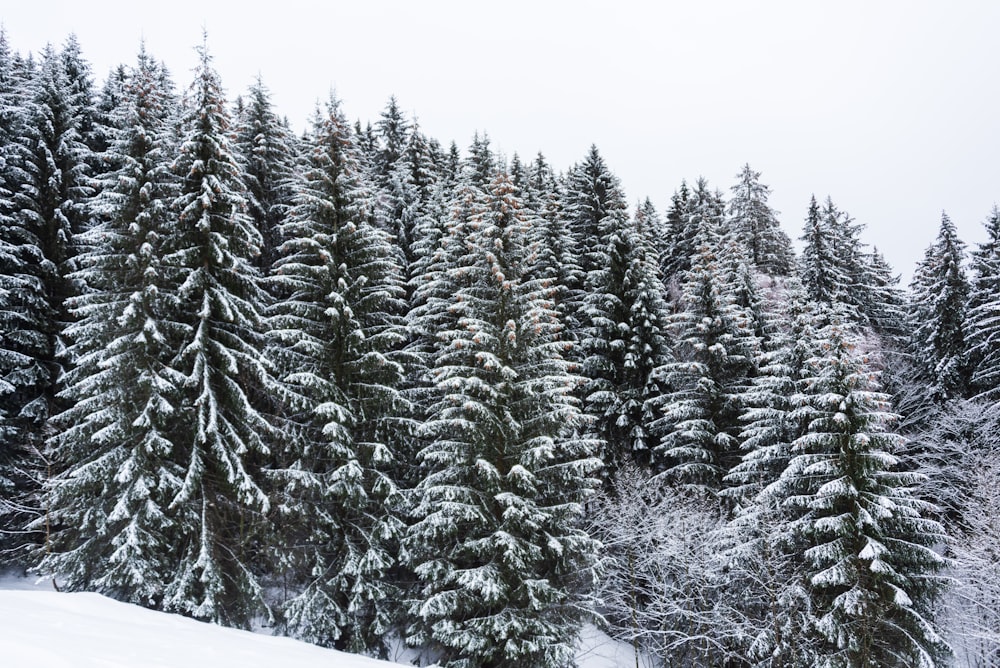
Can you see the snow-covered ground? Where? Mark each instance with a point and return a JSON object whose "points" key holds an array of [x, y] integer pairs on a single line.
{"points": [[42, 628]]}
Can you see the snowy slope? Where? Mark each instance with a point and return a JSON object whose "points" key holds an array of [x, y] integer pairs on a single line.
{"points": [[46, 629], [42, 628]]}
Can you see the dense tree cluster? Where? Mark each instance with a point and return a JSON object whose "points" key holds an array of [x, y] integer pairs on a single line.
{"points": [[359, 387]]}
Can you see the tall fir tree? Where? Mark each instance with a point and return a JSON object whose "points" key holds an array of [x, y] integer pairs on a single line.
{"points": [[870, 567], [268, 152], [48, 168], [755, 225], [716, 357], [220, 437], [502, 559], [937, 317], [625, 345], [393, 132], [15, 280], [680, 234], [983, 323], [336, 325], [118, 472]]}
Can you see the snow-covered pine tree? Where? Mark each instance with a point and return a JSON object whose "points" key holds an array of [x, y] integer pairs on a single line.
{"points": [[393, 132], [764, 562], [651, 228], [625, 345], [118, 469], [867, 539], [336, 324], [755, 225], [268, 152], [883, 302], [679, 236], [503, 562], [715, 358], [15, 280], [80, 89], [593, 204], [939, 293], [983, 324], [819, 268], [769, 422], [837, 268], [400, 204], [220, 437], [555, 257], [49, 207]]}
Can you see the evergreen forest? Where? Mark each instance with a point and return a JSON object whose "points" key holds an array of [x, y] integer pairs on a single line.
{"points": [[362, 387]]}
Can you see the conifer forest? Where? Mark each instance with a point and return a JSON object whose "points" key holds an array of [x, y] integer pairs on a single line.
{"points": [[360, 387]]}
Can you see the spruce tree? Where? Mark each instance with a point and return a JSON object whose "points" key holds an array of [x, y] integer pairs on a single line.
{"points": [[940, 291], [119, 471], [497, 545], [870, 566], [680, 234], [983, 325], [625, 345], [220, 437], [821, 273], [755, 225], [392, 131], [556, 258], [15, 281], [268, 152], [336, 324], [48, 176], [716, 355], [838, 269]]}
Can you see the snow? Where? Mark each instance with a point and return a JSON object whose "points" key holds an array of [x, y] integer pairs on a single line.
{"points": [[40, 627]]}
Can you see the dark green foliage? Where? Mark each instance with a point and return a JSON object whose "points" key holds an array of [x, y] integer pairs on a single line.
{"points": [[940, 291], [220, 438], [117, 468], [717, 353], [268, 152], [504, 566], [983, 325], [336, 326], [869, 563], [755, 226]]}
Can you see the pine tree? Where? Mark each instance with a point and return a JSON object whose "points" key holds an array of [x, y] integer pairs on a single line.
{"points": [[220, 438], [268, 153], [625, 345], [755, 225], [594, 204], [680, 234], [764, 561], [503, 563], [837, 269], [118, 468], [769, 421], [48, 207], [820, 270], [393, 131], [869, 563], [336, 324], [983, 325], [940, 291], [716, 354], [16, 280], [556, 256]]}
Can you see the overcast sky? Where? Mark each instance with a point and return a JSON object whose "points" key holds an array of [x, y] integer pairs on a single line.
{"points": [[891, 108]]}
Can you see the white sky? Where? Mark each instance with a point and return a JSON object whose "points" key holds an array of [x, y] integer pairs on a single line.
{"points": [[890, 107]]}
